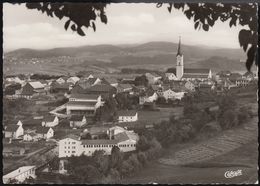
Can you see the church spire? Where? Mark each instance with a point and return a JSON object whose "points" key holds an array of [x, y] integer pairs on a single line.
{"points": [[179, 47]]}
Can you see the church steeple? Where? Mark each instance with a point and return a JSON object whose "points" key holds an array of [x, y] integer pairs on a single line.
{"points": [[179, 48]]}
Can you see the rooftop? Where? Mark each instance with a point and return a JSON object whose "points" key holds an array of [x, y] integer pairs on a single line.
{"points": [[18, 172], [36, 85], [127, 113], [85, 96], [76, 117], [81, 103]]}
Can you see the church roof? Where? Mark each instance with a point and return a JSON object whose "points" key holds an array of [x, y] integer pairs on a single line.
{"points": [[196, 71], [195, 76], [171, 70]]}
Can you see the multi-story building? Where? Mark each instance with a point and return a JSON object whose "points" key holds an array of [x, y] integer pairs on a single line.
{"points": [[73, 145], [20, 174], [127, 116]]}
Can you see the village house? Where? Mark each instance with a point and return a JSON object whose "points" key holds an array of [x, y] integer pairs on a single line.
{"points": [[14, 131], [77, 121], [242, 82], [127, 116], [152, 77], [124, 88], [62, 80], [72, 145], [60, 88], [129, 80], [73, 80], [20, 174], [44, 132], [30, 136], [110, 81], [105, 91], [149, 96], [248, 75], [190, 85], [50, 121], [31, 89], [83, 104]]}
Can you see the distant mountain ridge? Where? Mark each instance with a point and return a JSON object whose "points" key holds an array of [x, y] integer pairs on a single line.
{"points": [[115, 50]]}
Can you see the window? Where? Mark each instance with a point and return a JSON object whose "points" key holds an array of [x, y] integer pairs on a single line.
{"points": [[68, 151], [65, 147], [65, 151], [73, 142], [73, 151], [68, 142], [68, 147]]}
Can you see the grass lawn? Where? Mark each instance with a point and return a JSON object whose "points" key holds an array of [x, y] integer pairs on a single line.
{"points": [[213, 173]]}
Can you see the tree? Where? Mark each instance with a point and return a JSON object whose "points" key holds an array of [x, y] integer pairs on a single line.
{"points": [[101, 161], [204, 15], [141, 81], [229, 119], [116, 158]]}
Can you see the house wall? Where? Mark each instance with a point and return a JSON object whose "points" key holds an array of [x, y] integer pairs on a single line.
{"points": [[51, 124], [21, 177], [68, 147], [19, 132], [128, 118], [50, 133], [171, 76]]}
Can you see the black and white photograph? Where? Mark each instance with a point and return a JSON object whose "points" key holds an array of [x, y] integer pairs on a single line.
{"points": [[130, 93]]}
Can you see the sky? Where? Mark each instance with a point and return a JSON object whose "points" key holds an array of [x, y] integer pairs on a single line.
{"points": [[128, 23]]}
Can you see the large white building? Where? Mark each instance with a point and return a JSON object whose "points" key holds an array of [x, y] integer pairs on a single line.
{"points": [[20, 174], [181, 73], [83, 104], [73, 145], [127, 116]]}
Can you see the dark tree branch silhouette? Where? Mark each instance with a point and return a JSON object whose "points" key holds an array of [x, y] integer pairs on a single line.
{"points": [[204, 15]]}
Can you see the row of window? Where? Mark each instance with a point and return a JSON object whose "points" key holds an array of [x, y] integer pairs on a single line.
{"points": [[71, 142], [73, 147], [69, 152], [123, 145]]}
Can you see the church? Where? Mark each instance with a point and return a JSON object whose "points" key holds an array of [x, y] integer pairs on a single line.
{"points": [[185, 74]]}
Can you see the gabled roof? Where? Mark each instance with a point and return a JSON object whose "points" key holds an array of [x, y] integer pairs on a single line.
{"points": [[81, 103], [64, 78], [195, 76], [49, 118], [12, 128], [109, 80], [74, 78], [36, 85], [72, 136], [42, 130], [97, 130], [125, 86], [121, 137], [18, 172], [85, 96], [100, 88], [126, 113], [76, 117]]}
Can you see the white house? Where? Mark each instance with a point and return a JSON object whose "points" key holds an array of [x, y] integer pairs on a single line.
{"points": [[50, 121], [77, 121], [20, 174], [127, 116], [148, 98], [152, 78], [72, 145], [190, 86], [73, 80], [62, 80], [14, 131], [30, 136], [170, 94], [44, 132]]}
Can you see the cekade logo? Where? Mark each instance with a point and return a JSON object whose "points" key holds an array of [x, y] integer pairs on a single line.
{"points": [[231, 174]]}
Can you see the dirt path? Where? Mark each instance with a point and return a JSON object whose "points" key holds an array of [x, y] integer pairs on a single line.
{"points": [[229, 140]]}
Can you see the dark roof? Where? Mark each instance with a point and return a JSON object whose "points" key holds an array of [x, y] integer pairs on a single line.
{"points": [[125, 86], [92, 80], [49, 118], [126, 113], [81, 103], [84, 96], [99, 141], [248, 74], [12, 128], [109, 80], [195, 76], [34, 122], [76, 117], [171, 70], [121, 137], [56, 85], [84, 84], [100, 88], [42, 130], [196, 71]]}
